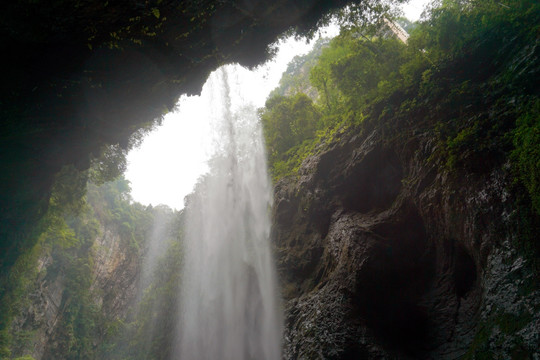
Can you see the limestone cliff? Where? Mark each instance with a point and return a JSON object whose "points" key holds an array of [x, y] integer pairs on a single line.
{"points": [[39, 330], [385, 253]]}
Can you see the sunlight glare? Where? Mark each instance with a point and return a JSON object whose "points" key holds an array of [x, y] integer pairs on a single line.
{"points": [[164, 169]]}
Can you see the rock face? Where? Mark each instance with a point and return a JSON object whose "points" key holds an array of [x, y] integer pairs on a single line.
{"points": [[384, 255], [115, 275], [114, 284]]}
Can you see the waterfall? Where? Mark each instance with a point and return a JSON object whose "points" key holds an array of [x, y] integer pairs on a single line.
{"points": [[229, 301]]}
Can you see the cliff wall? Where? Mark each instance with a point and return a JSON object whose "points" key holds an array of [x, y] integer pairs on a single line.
{"points": [[385, 253], [80, 289], [40, 329]]}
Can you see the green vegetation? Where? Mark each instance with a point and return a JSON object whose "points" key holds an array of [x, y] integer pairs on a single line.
{"points": [[465, 79], [71, 245], [353, 71], [288, 121], [77, 216], [14, 291], [461, 77], [66, 204], [526, 153], [484, 346], [150, 331], [296, 78]]}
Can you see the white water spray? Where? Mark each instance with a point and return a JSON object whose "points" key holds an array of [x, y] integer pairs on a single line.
{"points": [[230, 304]]}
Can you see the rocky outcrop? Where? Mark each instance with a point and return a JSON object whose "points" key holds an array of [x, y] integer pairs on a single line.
{"points": [[115, 275], [35, 325], [385, 254]]}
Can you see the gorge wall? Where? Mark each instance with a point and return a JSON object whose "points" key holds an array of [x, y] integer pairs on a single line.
{"points": [[42, 330], [384, 254], [81, 296]]}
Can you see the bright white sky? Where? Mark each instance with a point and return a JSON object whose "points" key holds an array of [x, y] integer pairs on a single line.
{"points": [[413, 9], [164, 169]]}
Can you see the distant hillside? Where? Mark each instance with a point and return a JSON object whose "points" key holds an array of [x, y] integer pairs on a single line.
{"points": [[296, 78]]}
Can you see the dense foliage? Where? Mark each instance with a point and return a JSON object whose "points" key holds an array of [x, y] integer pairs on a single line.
{"points": [[527, 152], [464, 75], [295, 79], [288, 121]]}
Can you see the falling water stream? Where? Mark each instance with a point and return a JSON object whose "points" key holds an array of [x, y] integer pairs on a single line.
{"points": [[229, 301]]}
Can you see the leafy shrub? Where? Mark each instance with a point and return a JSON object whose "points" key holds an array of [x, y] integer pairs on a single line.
{"points": [[527, 152]]}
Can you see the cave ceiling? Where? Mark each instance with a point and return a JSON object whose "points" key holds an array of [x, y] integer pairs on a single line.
{"points": [[82, 74]]}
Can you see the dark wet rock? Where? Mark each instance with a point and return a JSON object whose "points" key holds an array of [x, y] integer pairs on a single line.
{"points": [[384, 254]]}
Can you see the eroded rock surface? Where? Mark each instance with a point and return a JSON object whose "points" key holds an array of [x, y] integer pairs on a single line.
{"points": [[384, 255]]}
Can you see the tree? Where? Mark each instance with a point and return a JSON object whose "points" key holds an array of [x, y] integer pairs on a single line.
{"points": [[287, 122]]}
